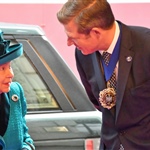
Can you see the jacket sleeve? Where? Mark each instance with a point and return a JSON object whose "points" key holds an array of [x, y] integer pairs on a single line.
{"points": [[28, 142]]}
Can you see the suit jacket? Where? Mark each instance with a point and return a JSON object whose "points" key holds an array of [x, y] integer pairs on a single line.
{"points": [[16, 136], [129, 121]]}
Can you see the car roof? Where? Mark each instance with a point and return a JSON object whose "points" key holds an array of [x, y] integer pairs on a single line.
{"points": [[19, 29]]}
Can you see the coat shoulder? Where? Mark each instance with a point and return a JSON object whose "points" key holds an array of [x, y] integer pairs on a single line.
{"points": [[15, 87]]}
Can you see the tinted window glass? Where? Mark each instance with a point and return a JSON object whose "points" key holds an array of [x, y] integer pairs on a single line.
{"points": [[37, 94]]}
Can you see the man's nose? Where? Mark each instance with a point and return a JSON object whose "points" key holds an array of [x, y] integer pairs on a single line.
{"points": [[69, 42]]}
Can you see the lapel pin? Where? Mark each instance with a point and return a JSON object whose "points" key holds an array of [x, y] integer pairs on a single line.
{"points": [[129, 58], [15, 98]]}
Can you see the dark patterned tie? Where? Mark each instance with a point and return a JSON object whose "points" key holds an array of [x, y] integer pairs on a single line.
{"points": [[112, 80]]}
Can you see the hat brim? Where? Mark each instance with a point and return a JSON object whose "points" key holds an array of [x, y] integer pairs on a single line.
{"points": [[14, 51]]}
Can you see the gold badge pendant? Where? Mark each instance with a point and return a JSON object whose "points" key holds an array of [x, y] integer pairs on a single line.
{"points": [[107, 98]]}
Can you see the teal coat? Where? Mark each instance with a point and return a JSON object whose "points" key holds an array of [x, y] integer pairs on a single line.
{"points": [[16, 136]]}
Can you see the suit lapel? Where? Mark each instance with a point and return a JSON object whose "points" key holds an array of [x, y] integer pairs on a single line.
{"points": [[125, 62], [98, 71]]}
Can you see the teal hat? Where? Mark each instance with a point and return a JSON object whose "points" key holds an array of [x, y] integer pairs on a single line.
{"points": [[7, 52]]}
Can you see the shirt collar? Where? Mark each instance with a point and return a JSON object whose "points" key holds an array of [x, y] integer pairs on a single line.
{"points": [[112, 45]]}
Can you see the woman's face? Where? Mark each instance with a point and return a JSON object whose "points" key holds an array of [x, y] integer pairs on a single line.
{"points": [[6, 76]]}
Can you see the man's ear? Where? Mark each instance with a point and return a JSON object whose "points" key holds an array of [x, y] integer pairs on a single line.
{"points": [[96, 32]]}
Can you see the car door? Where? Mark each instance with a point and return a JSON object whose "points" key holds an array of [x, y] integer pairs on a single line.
{"points": [[60, 115]]}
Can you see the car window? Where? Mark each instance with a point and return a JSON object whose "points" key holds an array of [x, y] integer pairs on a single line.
{"points": [[49, 84], [36, 92]]}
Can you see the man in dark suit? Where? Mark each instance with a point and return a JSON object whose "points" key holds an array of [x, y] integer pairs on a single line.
{"points": [[90, 26]]}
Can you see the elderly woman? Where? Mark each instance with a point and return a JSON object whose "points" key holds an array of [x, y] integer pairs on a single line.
{"points": [[13, 129]]}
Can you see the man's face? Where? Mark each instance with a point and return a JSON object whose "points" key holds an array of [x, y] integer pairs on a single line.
{"points": [[86, 43]]}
